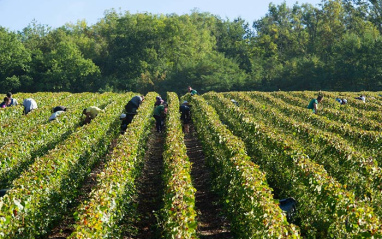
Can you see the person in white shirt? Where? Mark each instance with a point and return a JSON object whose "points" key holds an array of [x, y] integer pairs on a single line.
{"points": [[361, 97], [55, 115], [29, 105]]}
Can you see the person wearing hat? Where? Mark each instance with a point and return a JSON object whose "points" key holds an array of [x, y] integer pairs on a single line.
{"points": [[158, 101], [185, 115], [125, 121]]}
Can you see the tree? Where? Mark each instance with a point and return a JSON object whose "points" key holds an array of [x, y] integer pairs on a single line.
{"points": [[67, 70], [14, 60]]}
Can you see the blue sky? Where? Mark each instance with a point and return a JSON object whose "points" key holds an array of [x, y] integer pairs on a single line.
{"points": [[17, 14]]}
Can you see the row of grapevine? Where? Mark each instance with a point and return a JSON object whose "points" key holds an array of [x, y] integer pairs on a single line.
{"points": [[178, 212], [20, 126], [377, 96], [40, 196], [353, 116], [19, 123], [14, 113], [19, 154], [244, 191], [339, 159], [367, 139], [335, 143], [327, 209], [367, 110], [114, 198], [368, 105], [368, 120]]}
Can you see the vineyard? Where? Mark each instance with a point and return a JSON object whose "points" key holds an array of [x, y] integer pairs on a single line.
{"points": [[64, 179]]}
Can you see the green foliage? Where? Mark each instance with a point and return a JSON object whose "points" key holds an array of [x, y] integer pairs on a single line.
{"points": [[19, 152], [269, 146], [242, 185], [42, 194], [359, 171], [68, 70], [333, 46], [14, 61], [326, 207], [115, 198], [178, 215]]}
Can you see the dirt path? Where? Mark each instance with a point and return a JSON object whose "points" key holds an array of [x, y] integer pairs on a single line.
{"points": [[211, 222], [150, 188]]}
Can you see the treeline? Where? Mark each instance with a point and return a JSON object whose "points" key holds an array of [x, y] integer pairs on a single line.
{"points": [[334, 46]]}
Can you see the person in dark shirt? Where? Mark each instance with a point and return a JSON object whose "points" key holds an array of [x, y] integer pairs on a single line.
{"points": [[6, 102], [13, 101], [132, 106], [185, 116], [158, 101], [361, 97], [131, 110], [59, 108], [159, 115]]}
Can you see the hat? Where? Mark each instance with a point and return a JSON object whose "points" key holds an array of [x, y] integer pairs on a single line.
{"points": [[122, 116], [185, 102]]}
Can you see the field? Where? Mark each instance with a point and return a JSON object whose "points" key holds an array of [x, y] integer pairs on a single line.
{"points": [[66, 179]]}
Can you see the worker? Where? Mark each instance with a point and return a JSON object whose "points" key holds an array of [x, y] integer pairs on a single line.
{"points": [[59, 108], [124, 122], [361, 97], [342, 101], [90, 113], [131, 110], [55, 115], [185, 116], [133, 105], [13, 101], [235, 102], [159, 115], [313, 104], [5, 103], [192, 91], [29, 105], [158, 101]]}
